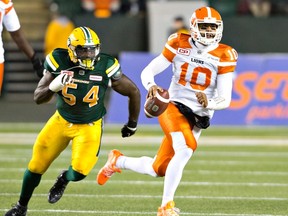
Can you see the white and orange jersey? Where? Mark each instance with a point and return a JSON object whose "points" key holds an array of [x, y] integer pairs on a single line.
{"points": [[8, 19], [196, 69]]}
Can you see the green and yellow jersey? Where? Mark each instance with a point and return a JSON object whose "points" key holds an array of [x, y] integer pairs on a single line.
{"points": [[82, 101]]}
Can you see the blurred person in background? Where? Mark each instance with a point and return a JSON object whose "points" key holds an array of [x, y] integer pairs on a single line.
{"points": [[9, 19], [260, 8], [102, 8], [59, 27], [70, 9], [264, 8], [80, 76], [178, 25], [201, 83], [133, 7]]}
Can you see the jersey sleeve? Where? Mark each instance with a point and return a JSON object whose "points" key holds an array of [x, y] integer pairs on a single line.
{"points": [[224, 89], [170, 47], [50, 63], [53, 60], [113, 67], [175, 42], [10, 19], [228, 60]]}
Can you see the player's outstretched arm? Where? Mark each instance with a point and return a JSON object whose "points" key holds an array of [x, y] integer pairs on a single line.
{"points": [[126, 87], [24, 46]]}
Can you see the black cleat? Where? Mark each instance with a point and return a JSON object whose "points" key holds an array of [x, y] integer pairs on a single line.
{"points": [[58, 188], [17, 210]]}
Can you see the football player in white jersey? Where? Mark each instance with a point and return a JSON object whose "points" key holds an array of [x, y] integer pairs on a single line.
{"points": [[10, 20], [201, 83]]}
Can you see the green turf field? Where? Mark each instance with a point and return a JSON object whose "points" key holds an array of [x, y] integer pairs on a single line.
{"points": [[240, 172]]}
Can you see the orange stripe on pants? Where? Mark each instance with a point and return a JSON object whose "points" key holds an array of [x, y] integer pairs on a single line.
{"points": [[172, 120], [1, 75]]}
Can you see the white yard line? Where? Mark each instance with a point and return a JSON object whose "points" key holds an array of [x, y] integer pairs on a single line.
{"points": [[201, 172], [29, 138], [187, 183], [137, 213], [141, 196]]}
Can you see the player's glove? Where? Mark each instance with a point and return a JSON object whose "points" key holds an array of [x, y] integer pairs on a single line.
{"points": [[129, 128], [59, 82], [37, 65]]}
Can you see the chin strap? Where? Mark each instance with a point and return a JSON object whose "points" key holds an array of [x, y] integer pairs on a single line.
{"points": [[84, 66]]}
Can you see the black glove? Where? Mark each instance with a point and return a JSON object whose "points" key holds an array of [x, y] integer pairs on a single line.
{"points": [[37, 65], [129, 129]]}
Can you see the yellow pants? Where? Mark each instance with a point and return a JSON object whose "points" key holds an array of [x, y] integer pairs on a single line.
{"points": [[56, 136]]}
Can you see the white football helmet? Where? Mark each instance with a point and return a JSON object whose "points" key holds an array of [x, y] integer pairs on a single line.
{"points": [[202, 19]]}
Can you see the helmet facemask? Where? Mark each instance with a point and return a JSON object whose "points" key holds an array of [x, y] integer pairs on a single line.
{"points": [[86, 55]]}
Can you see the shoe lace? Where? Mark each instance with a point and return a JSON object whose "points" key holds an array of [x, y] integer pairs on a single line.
{"points": [[108, 171], [173, 211], [17, 208], [176, 210]]}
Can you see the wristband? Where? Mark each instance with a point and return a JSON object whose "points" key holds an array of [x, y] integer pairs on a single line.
{"points": [[57, 84]]}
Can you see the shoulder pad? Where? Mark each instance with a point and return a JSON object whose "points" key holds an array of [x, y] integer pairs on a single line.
{"points": [[5, 4], [52, 59], [113, 67]]}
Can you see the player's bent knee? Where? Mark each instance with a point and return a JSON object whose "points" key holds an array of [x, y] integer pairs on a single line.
{"points": [[85, 166], [149, 170], [186, 152], [37, 167]]}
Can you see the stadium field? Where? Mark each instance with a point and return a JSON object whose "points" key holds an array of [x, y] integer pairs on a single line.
{"points": [[234, 172]]}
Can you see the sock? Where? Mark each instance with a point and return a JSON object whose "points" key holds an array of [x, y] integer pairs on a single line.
{"points": [[72, 175], [174, 173], [141, 165], [30, 182]]}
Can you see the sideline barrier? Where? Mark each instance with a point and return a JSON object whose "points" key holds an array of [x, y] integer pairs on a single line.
{"points": [[260, 90]]}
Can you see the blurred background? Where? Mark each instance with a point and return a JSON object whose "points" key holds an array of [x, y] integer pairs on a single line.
{"points": [[135, 31]]}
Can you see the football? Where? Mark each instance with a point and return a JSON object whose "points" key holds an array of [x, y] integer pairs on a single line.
{"points": [[154, 107]]}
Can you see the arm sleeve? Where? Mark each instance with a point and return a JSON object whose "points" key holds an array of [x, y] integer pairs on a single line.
{"points": [[224, 88], [11, 21], [156, 66]]}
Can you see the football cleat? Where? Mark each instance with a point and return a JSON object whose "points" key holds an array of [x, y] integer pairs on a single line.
{"points": [[109, 168], [58, 188], [17, 210], [168, 210]]}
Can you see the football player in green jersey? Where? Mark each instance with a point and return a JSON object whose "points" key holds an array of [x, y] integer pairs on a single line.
{"points": [[80, 76]]}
